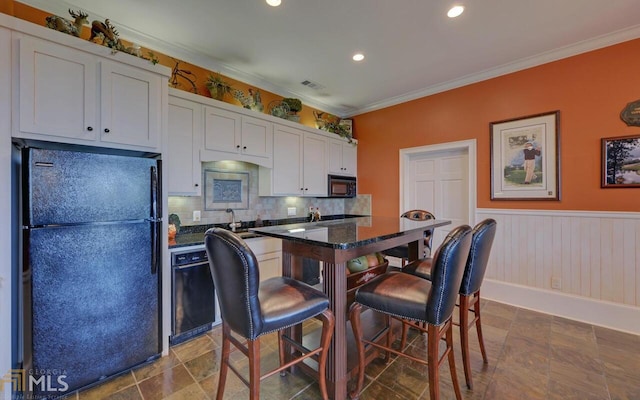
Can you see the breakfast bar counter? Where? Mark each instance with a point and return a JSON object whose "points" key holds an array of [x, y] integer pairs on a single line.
{"points": [[334, 243]]}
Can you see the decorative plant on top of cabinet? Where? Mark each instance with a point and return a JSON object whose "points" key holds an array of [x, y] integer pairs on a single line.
{"points": [[295, 105], [218, 87]]}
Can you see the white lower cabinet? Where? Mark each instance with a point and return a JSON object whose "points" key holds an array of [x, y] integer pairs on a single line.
{"points": [[268, 252], [299, 169]]}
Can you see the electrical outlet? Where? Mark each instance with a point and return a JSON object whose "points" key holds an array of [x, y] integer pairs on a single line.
{"points": [[291, 211], [196, 216], [556, 283]]}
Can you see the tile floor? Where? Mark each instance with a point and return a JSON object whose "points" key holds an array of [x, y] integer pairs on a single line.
{"points": [[531, 356]]}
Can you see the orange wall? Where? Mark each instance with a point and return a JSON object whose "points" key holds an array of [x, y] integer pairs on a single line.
{"points": [[590, 90]]}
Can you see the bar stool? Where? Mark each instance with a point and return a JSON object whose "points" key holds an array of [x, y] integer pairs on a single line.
{"points": [[481, 243], [251, 308], [402, 251], [406, 296]]}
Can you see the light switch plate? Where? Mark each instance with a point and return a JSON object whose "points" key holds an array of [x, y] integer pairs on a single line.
{"points": [[291, 211], [196, 215]]}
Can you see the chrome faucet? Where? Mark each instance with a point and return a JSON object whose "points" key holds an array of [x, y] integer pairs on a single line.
{"points": [[233, 225]]}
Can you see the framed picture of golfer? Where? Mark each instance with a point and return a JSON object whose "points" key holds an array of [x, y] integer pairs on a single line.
{"points": [[525, 158], [621, 162]]}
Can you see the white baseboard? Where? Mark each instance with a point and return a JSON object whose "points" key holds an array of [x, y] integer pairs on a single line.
{"points": [[602, 313]]}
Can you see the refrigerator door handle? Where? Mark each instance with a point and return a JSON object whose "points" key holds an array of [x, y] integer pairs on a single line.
{"points": [[154, 221]]}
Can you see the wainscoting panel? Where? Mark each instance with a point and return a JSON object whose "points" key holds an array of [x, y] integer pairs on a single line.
{"points": [[595, 255]]}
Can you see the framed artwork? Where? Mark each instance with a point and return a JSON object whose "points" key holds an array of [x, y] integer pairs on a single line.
{"points": [[525, 162], [226, 189], [621, 162]]}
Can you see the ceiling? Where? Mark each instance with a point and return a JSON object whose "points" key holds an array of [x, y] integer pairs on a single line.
{"points": [[412, 48]]}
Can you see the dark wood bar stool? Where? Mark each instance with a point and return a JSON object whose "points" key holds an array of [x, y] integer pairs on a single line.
{"points": [[402, 252], [481, 243], [251, 308], [405, 296]]}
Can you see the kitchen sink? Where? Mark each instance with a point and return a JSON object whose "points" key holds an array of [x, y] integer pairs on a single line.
{"points": [[247, 234]]}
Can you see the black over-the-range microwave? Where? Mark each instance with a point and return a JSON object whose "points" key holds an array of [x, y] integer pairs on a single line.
{"points": [[342, 186]]}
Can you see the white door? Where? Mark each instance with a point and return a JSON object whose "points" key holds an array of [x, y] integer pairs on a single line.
{"points": [[439, 182]]}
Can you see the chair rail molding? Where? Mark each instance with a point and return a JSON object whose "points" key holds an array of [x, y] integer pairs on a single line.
{"points": [[582, 265]]}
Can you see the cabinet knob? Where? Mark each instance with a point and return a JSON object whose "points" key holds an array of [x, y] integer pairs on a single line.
{"points": [[244, 147], [106, 130], [237, 146], [196, 185], [89, 128], [306, 188]]}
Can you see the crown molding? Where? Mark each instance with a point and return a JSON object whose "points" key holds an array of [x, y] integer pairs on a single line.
{"points": [[197, 57], [184, 53], [585, 46]]}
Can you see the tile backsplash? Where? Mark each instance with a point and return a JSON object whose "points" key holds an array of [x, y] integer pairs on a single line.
{"points": [[265, 207]]}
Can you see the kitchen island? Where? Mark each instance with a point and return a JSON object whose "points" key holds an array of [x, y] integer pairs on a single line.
{"points": [[336, 242]]}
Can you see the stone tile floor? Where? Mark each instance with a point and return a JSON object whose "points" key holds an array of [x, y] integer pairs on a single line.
{"points": [[531, 356]]}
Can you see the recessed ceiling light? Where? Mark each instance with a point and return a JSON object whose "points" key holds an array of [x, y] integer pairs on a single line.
{"points": [[455, 11], [274, 3], [358, 57]]}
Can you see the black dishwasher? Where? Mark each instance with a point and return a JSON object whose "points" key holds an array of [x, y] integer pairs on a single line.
{"points": [[193, 299]]}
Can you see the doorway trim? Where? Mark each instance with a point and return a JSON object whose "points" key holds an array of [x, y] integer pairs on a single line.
{"points": [[468, 145]]}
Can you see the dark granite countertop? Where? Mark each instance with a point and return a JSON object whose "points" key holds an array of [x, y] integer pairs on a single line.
{"points": [[193, 235], [348, 233]]}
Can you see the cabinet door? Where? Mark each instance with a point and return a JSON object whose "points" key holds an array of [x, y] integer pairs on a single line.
{"points": [[315, 174], [335, 157], [270, 265], [185, 135], [222, 130], [287, 161], [130, 105], [349, 159], [257, 137], [342, 158], [57, 90]]}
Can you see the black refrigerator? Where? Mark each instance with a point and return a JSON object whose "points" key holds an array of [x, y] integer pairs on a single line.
{"points": [[91, 267]]}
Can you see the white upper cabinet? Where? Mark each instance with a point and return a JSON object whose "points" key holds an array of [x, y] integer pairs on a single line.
{"points": [[222, 130], [314, 173], [130, 105], [342, 158], [57, 90], [72, 96], [299, 161], [182, 158], [257, 137], [233, 136]]}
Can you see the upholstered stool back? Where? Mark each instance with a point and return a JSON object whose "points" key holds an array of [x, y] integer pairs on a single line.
{"points": [[235, 271], [481, 242]]}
